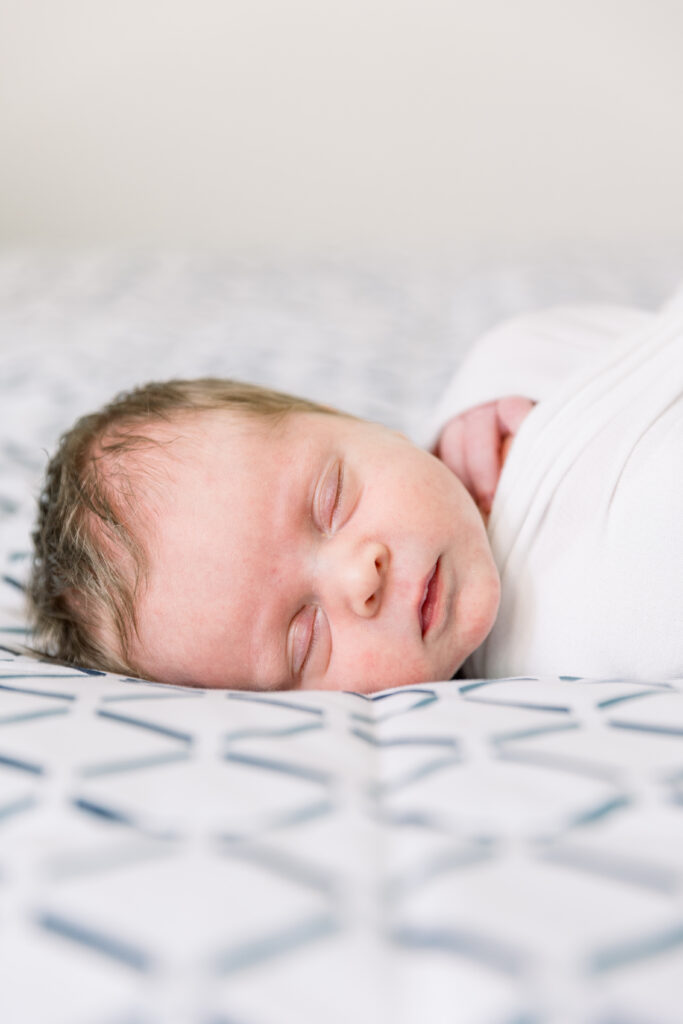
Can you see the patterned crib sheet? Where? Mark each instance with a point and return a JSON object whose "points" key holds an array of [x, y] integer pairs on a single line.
{"points": [[497, 851]]}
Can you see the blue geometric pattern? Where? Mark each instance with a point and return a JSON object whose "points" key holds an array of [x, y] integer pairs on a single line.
{"points": [[475, 852], [511, 848]]}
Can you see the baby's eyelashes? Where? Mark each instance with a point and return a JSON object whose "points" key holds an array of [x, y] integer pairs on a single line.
{"points": [[304, 634], [329, 500]]}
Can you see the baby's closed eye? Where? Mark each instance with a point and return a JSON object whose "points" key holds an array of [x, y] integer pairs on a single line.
{"points": [[330, 496], [304, 634]]}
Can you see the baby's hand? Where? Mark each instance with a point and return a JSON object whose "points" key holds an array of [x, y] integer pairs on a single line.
{"points": [[475, 443]]}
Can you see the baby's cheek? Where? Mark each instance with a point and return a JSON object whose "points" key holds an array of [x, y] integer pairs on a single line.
{"points": [[366, 666], [386, 667]]}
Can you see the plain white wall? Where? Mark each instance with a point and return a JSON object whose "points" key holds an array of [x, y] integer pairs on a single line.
{"points": [[353, 125]]}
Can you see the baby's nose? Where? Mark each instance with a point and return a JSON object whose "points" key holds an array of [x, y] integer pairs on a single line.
{"points": [[363, 577]]}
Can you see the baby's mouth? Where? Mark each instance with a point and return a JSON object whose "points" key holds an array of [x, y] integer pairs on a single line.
{"points": [[430, 598]]}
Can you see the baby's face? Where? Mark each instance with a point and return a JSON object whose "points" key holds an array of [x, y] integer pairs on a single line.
{"points": [[321, 552]]}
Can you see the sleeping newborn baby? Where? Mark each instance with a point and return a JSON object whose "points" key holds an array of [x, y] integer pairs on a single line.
{"points": [[216, 534]]}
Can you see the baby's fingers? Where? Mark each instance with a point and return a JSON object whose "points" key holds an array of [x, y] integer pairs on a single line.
{"points": [[482, 450], [451, 450], [512, 411]]}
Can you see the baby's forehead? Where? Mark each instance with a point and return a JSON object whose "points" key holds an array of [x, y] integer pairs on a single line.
{"points": [[133, 461], [143, 459], [179, 434], [188, 431], [138, 460]]}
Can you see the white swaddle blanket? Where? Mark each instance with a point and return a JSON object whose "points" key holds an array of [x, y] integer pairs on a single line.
{"points": [[586, 525]]}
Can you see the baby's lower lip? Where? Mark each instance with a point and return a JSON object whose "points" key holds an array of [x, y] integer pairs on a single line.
{"points": [[430, 601]]}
